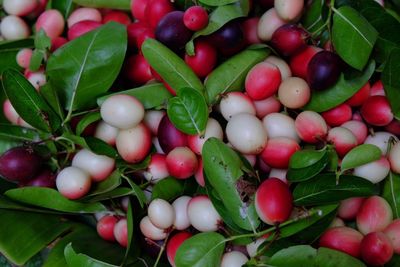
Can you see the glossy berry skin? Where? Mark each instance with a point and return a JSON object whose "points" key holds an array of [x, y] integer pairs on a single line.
{"points": [[73, 183], [19, 7], [337, 115], [360, 96], [323, 70], [262, 81], [170, 137], [105, 227], [134, 144], [376, 111], [84, 13], [204, 59], [181, 162], [14, 28], [52, 22], [117, 16], [342, 139], [349, 208], [156, 10], [344, 239], [249, 27], [174, 243], [374, 215], [138, 8], [376, 249], [393, 232], [278, 151], [195, 18], [81, 28], [202, 214], [172, 32], [289, 39], [121, 232], [300, 61], [98, 166], [228, 37], [45, 178], [137, 70], [274, 201], [19, 164], [161, 213], [310, 126]]}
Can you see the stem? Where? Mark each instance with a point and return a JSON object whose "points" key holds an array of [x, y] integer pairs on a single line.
{"points": [[162, 249]]}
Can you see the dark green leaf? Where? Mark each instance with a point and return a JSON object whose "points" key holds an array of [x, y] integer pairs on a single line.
{"points": [[97, 59], [28, 103], [391, 189], [332, 258], [340, 92], [9, 50], [323, 189], [112, 4], [222, 167], [24, 234], [391, 81], [64, 6], [312, 19], [394, 262], [170, 66], [75, 259], [171, 188], [201, 250], [360, 155], [353, 36], [130, 226], [296, 256], [188, 111], [116, 193], [217, 2], [86, 121], [17, 133], [42, 41], [306, 157], [51, 97], [52, 199], [230, 75], [150, 95], [303, 174], [100, 147], [218, 18]]}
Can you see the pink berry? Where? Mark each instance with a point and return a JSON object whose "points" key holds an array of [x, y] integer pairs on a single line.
{"points": [[195, 18], [157, 168], [121, 232], [84, 13], [82, 27], [117, 16], [73, 182], [267, 106], [150, 231], [376, 111], [268, 24], [337, 115], [213, 129], [349, 208], [358, 128], [278, 151], [105, 227], [98, 166], [343, 140], [52, 22], [181, 162], [310, 126], [374, 215], [24, 57], [360, 96], [343, 239], [289, 39], [174, 243], [376, 249], [262, 81], [393, 232]]}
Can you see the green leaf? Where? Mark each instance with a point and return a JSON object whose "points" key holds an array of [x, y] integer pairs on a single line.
{"points": [[100, 147], [201, 250], [86, 120], [17, 133], [51, 97], [391, 189], [306, 173], [306, 157], [28, 103], [36, 59], [391, 81], [218, 18], [112, 4], [171, 188], [360, 155], [353, 36], [24, 234], [75, 259], [109, 184], [230, 75], [222, 167], [188, 111], [9, 51], [42, 41], [332, 258], [64, 6], [170, 66], [324, 190], [150, 95], [52, 199], [312, 19], [217, 2], [84, 240], [344, 89], [296, 256], [97, 60]]}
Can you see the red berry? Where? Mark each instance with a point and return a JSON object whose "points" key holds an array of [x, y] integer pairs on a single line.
{"points": [[195, 18]]}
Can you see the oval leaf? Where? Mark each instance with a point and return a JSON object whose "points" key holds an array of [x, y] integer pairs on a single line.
{"points": [[222, 168], [150, 95], [323, 189], [28, 103], [332, 258], [391, 81], [296, 256], [360, 155], [86, 121], [188, 111], [204, 249], [230, 75], [112, 4], [306, 157], [75, 259], [353, 36], [171, 188], [391, 189], [170, 66], [312, 19], [17, 133], [303, 174], [218, 18], [344, 89], [52, 199], [98, 57]]}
